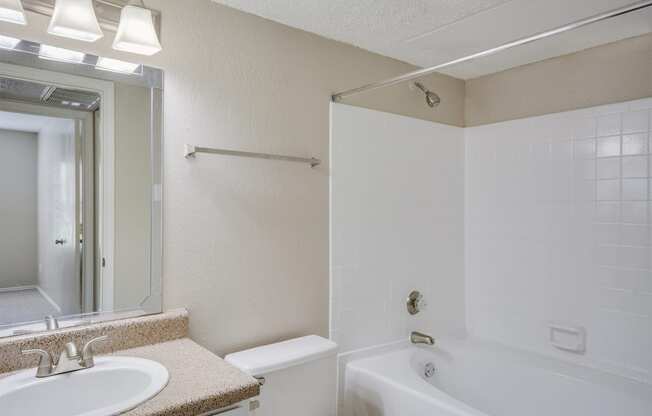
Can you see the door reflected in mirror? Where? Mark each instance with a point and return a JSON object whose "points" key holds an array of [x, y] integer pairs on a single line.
{"points": [[42, 207], [80, 171]]}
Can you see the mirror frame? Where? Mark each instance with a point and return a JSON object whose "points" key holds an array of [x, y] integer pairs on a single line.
{"points": [[24, 62]]}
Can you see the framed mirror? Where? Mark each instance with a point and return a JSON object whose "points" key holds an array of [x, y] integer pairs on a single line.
{"points": [[80, 188]]}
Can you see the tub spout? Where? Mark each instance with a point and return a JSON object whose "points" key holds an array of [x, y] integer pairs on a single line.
{"points": [[419, 338]]}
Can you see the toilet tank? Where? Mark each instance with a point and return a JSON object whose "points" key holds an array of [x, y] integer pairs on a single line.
{"points": [[300, 377]]}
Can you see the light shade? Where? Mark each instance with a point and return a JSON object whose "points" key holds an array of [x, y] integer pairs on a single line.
{"points": [[12, 11], [75, 19], [136, 33]]}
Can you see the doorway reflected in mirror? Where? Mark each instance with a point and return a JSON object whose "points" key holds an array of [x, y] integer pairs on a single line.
{"points": [[80, 163]]}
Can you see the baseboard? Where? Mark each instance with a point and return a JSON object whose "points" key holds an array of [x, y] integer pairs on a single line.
{"points": [[49, 299], [17, 288]]}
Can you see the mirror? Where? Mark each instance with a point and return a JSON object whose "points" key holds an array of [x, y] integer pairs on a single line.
{"points": [[80, 188]]}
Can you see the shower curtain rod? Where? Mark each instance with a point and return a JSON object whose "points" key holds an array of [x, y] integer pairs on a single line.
{"points": [[523, 41]]}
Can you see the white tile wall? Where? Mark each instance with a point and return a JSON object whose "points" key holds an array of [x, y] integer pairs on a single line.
{"points": [[396, 225], [558, 228]]}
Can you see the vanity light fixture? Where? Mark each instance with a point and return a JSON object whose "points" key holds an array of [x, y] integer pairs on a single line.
{"points": [[136, 33], [114, 65], [60, 54], [75, 19], [12, 11], [7, 42]]}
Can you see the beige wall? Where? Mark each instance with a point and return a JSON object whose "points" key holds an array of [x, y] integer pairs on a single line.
{"points": [[606, 74], [18, 202], [246, 241], [400, 99]]}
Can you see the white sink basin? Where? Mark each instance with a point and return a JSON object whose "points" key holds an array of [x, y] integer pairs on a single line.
{"points": [[113, 386]]}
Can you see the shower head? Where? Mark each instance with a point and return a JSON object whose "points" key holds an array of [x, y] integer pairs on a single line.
{"points": [[432, 99]]}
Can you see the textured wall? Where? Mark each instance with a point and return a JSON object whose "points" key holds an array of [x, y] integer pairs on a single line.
{"points": [[18, 199], [605, 74], [246, 241]]}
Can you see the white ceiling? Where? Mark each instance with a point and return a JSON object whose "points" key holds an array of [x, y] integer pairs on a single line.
{"points": [[430, 32]]}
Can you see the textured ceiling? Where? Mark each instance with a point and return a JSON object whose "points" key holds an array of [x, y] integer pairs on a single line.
{"points": [[371, 24], [429, 32]]}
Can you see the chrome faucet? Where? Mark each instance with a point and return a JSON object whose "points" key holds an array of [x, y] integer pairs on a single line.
{"points": [[419, 338], [69, 360]]}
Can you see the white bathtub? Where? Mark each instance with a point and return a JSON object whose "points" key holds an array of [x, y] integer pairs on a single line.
{"points": [[475, 378]]}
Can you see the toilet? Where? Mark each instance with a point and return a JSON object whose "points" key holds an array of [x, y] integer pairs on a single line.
{"points": [[299, 377]]}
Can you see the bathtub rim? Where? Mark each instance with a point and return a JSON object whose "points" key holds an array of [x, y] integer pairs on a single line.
{"points": [[580, 372]]}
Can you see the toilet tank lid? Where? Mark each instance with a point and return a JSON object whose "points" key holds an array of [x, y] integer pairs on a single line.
{"points": [[266, 359]]}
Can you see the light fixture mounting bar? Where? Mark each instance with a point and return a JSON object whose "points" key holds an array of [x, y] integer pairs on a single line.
{"points": [[108, 12]]}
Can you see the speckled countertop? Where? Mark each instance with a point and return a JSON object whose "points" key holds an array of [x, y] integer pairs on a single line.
{"points": [[199, 382]]}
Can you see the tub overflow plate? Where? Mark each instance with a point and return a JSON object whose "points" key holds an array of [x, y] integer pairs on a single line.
{"points": [[429, 370]]}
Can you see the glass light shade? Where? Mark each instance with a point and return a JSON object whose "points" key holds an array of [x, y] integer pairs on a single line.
{"points": [[75, 19], [12, 11], [136, 33]]}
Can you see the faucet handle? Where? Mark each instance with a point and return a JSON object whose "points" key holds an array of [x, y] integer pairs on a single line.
{"points": [[70, 349], [87, 358], [44, 364]]}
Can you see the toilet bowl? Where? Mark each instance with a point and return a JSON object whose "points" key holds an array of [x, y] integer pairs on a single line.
{"points": [[299, 377]]}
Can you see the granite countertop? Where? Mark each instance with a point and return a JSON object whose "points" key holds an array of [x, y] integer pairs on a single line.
{"points": [[200, 381]]}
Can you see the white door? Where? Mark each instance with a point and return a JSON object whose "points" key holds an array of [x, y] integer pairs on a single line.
{"points": [[58, 234]]}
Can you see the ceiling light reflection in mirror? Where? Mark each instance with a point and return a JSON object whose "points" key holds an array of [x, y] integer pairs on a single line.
{"points": [[115, 65], [53, 53], [60, 54]]}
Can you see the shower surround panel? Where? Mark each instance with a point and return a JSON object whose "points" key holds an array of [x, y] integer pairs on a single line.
{"points": [[397, 212], [558, 231]]}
